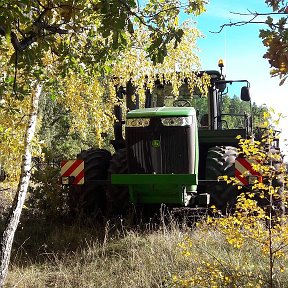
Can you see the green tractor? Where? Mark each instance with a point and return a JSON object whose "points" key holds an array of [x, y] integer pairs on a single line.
{"points": [[170, 155]]}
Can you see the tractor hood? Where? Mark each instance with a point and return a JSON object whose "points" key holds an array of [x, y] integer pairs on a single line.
{"points": [[161, 112]]}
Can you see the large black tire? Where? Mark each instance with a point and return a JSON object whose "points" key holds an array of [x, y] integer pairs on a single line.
{"points": [[220, 161], [89, 199], [117, 196]]}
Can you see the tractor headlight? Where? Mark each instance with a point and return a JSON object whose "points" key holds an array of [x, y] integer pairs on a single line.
{"points": [[137, 122], [177, 121]]}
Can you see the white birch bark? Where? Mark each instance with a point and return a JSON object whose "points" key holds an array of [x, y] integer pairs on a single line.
{"points": [[7, 236]]}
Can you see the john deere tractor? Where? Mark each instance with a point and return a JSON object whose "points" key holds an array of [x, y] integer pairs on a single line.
{"points": [[172, 155]]}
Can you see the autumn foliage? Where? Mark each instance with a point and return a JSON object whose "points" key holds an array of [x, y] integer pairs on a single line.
{"points": [[275, 39], [258, 220]]}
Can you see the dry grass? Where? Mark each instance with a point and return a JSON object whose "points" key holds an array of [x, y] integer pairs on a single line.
{"points": [[124, 258], [74, 256]]}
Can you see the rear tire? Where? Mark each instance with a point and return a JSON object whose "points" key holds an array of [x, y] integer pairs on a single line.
{"points": [[89, 199], [117, 196], [220, 161]]}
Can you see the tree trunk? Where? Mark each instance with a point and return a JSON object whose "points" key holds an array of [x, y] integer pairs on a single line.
{"points": [[7, 236]]}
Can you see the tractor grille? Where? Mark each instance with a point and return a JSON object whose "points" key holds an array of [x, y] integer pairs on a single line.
{"points": [[172, 155]]}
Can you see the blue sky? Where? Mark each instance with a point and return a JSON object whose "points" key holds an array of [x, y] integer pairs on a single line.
{"points": [[242, 51]]}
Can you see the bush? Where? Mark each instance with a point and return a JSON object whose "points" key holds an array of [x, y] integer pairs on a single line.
{"points": [[46, 196]]}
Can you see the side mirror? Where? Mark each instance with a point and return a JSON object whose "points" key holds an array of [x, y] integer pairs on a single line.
{"points": [[245, 94]]}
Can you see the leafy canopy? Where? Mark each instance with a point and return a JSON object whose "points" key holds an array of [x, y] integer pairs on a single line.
{"points": [[88, 31], [275, 38]]}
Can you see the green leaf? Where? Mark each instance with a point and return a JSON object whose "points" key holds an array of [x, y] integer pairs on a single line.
{"points": [[123, 39], [81, 70], [269, 20], [9, 80], [264, 33], [107, 69], [53, 96]]}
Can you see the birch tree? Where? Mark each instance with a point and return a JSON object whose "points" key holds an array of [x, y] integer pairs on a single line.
{"points": [[15, 211]]}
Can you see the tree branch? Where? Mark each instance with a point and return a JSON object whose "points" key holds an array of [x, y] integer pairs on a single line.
{"points": [[39, 24], [142, 21], [258, 14], [253, 15]]}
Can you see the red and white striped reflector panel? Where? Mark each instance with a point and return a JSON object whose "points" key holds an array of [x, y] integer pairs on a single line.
{"points": [[244, 171], [73, 168]]}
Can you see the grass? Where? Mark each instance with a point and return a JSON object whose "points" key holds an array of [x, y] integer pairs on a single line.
{"points": [[70, 255], [74, 256], [127, 258]]}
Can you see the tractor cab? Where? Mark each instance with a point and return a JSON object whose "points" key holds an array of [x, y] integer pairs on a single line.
{"points": [[213, 109], [222, 114]]}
